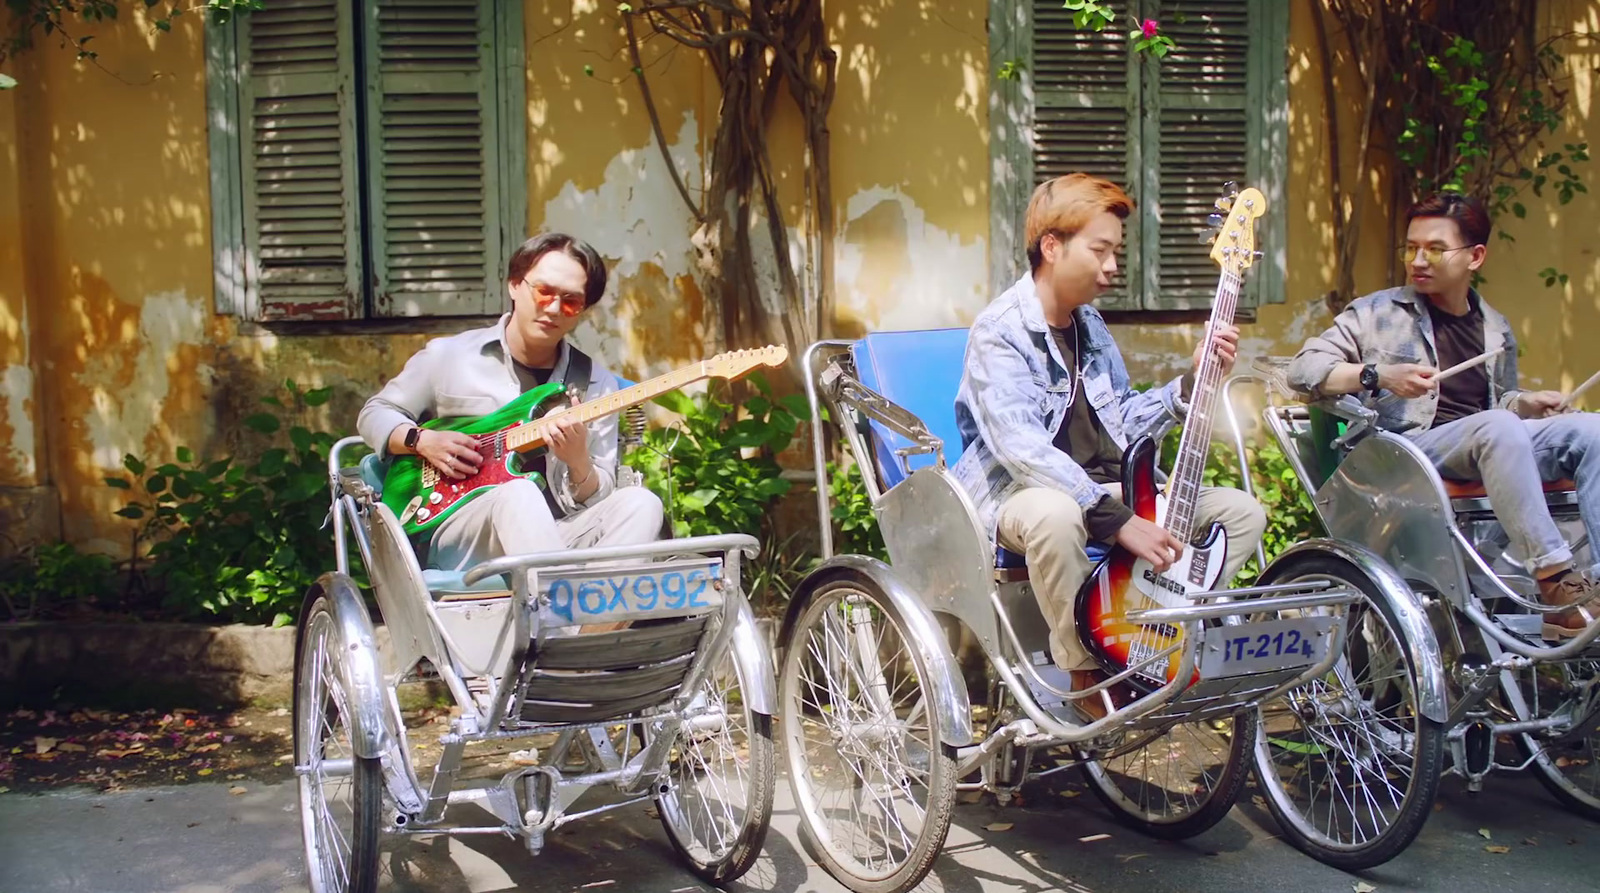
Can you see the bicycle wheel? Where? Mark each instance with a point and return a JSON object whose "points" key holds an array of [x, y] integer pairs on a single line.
{"points": [[341, 794], [1183, 782], [1566, 763], [720, 778], [874, 784], [1347, 762]]}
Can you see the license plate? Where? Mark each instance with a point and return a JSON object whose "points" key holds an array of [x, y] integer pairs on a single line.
{"points": [[1266, 646], [598, 595]]}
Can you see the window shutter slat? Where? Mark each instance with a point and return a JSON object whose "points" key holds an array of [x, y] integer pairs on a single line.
{"points": [[435, 208], [299, 161], [1085, 106], [1198, 108]]}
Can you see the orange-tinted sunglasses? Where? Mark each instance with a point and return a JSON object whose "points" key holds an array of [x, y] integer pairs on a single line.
{"points": [[572, 303]]}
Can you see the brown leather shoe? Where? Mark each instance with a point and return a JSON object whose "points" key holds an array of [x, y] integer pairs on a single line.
{"points": [[1576, 591], [1096, 706]]}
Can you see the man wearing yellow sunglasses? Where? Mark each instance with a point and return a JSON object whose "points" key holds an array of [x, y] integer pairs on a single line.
{"points": [[551, 280], [1477, 425]]}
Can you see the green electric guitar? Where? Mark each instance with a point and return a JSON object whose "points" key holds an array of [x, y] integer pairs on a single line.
{"points": [[422, 496]]}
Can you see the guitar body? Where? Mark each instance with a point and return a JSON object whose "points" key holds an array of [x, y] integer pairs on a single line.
{"points": [[1123, 582], [422, 498]]}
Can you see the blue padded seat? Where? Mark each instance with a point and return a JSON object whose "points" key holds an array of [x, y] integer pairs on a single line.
{"points": [[439, 582], [921, 372], [442, 582]]}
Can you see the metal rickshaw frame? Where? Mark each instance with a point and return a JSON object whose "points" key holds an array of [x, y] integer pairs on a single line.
{"points": [[1481, 692], [492, 653], [943, 567]]}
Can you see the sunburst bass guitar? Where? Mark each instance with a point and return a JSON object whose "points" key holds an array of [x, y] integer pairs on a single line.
{"points": [[422, 496], [1122, 582]]}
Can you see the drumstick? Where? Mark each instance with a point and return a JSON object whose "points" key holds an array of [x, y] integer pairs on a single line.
{"points": [[1577, 392], [1463, 366]]}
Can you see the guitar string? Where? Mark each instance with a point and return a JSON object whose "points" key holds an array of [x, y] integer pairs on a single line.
{"points": [[1179, 509]]}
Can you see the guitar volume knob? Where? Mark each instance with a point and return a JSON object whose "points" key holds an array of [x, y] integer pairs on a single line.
{"points": [[435, 498]]}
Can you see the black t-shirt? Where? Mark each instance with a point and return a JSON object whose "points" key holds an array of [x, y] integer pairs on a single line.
{"points": [[1085, 440], [1460, 338], [529, 377]]}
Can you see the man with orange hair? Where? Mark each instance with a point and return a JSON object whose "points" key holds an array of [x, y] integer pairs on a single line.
{"points": [[1046, 409]]}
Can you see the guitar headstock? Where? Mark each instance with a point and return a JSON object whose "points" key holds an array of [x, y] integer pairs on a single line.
{"points": [[1234, 241], [735, 363]]}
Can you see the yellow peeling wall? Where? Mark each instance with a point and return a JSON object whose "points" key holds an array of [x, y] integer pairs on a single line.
{"points": [[108, 342]]}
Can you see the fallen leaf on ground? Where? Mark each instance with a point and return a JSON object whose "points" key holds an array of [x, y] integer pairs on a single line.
{"points": [[204, 772], [1070, 794], [1528, 841], [69, 747], [1093, 837], [998, 826], [42, 744], [4, 789], [1362, 887], [1497, 849], [1484, 833], [236, 790]]}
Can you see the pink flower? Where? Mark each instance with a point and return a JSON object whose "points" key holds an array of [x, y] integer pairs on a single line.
{"points": [[1149, 28]]}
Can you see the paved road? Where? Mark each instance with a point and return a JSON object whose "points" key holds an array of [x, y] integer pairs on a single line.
{"points": [[202, 839]]}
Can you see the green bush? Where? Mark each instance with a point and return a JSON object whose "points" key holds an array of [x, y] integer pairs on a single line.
{"points": [[1290, 515], [232, 541], [716, 470], [54, 580], [853, 518]]}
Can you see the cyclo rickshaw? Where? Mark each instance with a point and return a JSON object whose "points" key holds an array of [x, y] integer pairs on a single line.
{"points": [[674, 708], [1350, 762], [875, 717]]}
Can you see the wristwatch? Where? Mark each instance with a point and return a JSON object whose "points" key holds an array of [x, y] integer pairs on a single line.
{"points": [[1369, 378], [415, 434]]}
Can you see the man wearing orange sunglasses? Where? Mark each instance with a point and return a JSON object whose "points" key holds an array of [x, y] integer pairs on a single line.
{"points": [[552, 280]]}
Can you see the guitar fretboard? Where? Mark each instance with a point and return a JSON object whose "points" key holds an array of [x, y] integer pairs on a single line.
{"points": [[1183, 490], [531, 435]]}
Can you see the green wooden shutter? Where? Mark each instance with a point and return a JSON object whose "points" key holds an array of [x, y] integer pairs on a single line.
{"points": [[1197, 132], [1085, 107], [298, 105], [433, 153]]}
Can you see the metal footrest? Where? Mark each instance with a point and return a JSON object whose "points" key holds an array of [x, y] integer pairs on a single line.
{"points": [[1215, 698]]}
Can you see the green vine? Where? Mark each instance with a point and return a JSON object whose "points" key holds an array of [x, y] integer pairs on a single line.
{"points": [[65, 19]]}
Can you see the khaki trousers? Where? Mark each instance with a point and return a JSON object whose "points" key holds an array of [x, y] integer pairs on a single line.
{"points": [[514, 519], [1046, 526]]}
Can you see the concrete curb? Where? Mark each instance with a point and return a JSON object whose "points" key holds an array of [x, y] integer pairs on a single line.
{"points": [[146, 663], [162, 664]]}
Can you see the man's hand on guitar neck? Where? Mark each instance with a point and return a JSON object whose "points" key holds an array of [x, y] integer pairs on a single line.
{"points": [[1225, 344], [569, 441], [1150, 541]]}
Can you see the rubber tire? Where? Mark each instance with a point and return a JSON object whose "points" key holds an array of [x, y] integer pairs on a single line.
{"points": [[941, 763], [758, 814], [1429, 753], [1213, 810], [1585, 805], [366, 779]]}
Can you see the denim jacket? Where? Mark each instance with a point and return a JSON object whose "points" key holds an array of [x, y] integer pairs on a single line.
{"points": [[1013, 400], [1393, 326]]}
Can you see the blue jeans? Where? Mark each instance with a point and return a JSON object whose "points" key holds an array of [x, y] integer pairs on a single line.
{"points": [[1513, 456]]}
